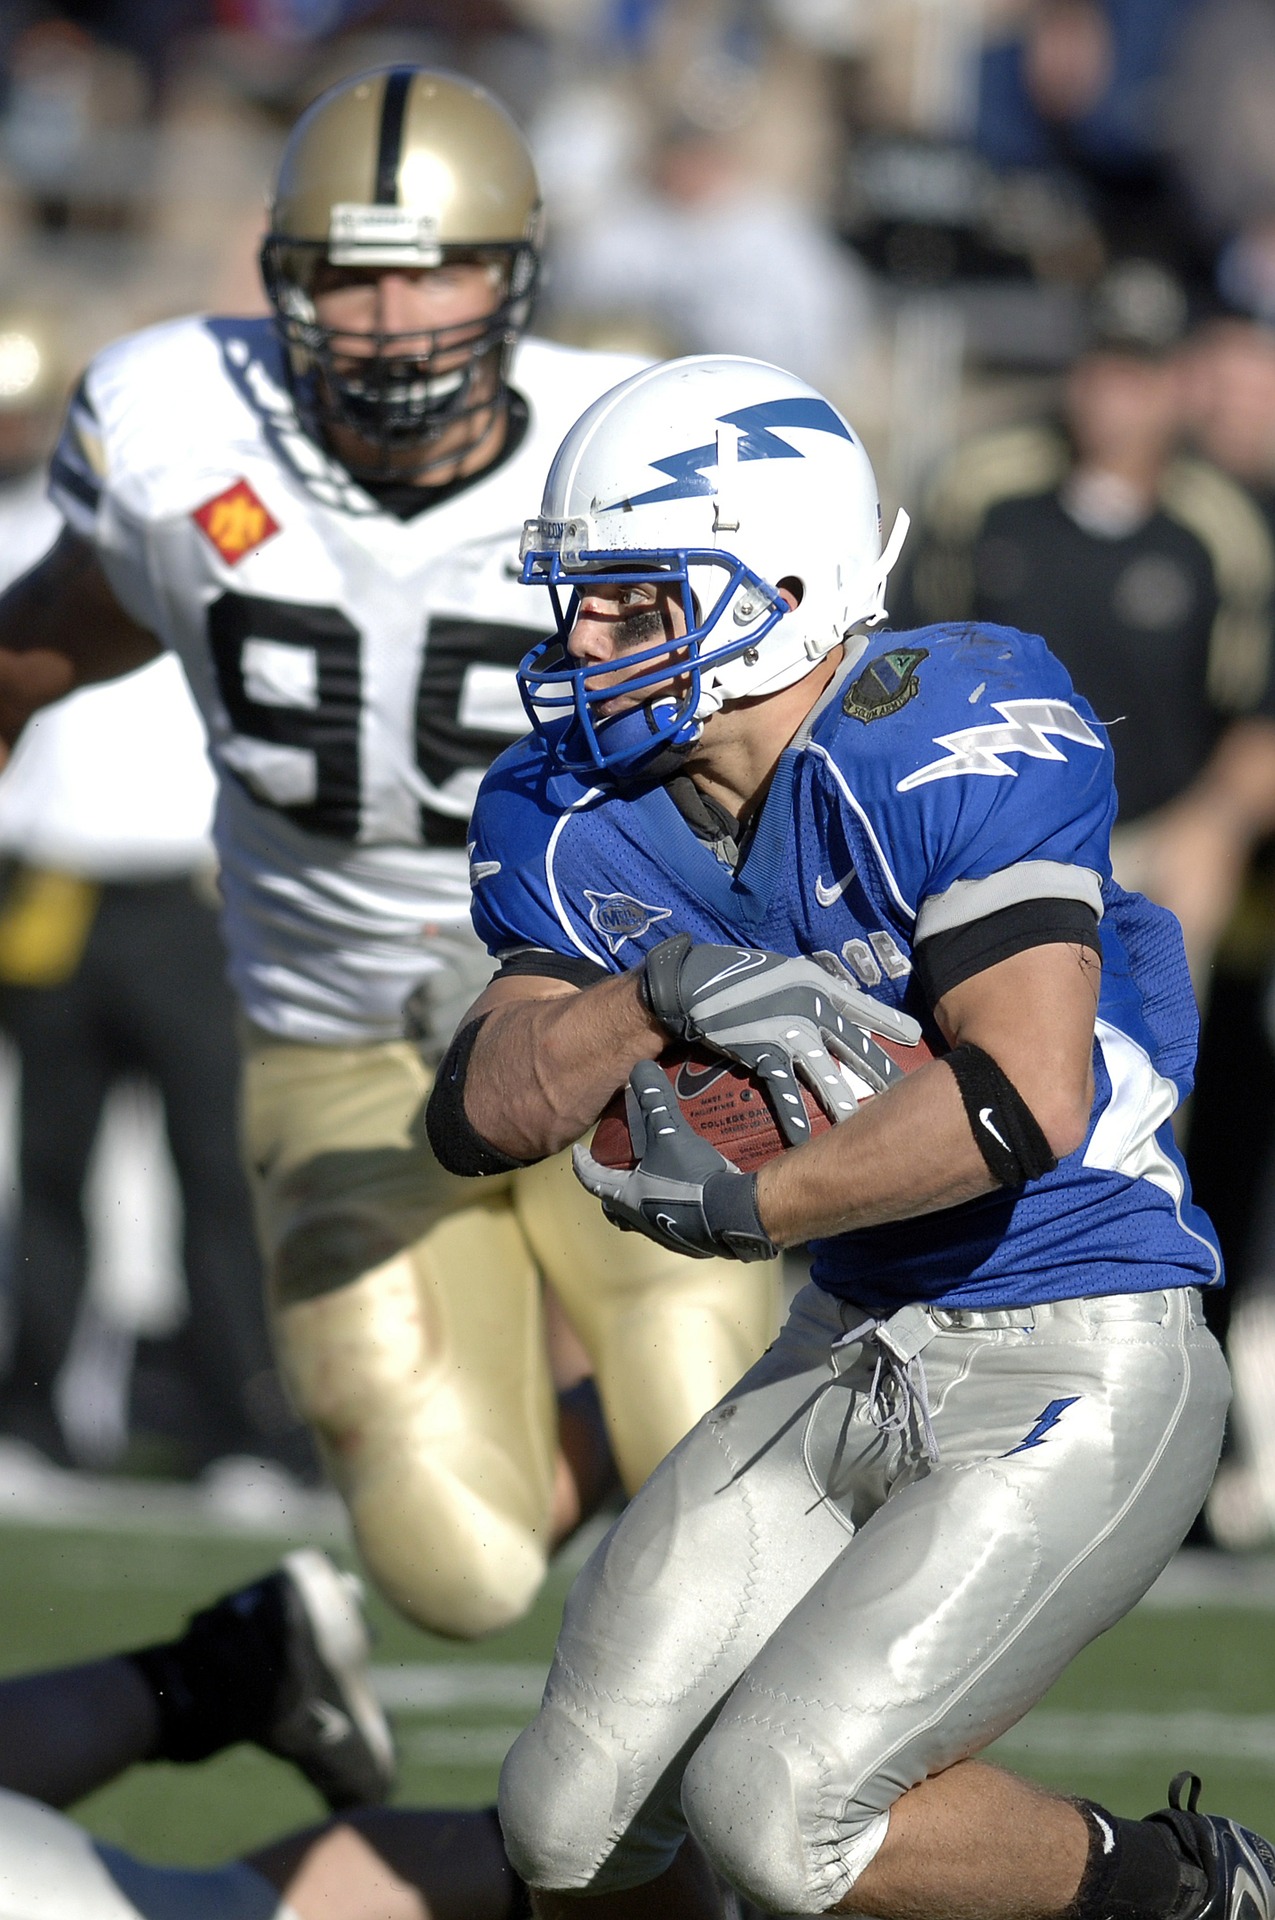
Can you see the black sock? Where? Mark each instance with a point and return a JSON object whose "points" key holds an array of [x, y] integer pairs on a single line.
{"points": [[218, 1684], [1134, 1871]]}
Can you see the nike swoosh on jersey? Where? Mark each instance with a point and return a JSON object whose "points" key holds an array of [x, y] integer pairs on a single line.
{"points": [[985, 1116], [829, 896]]}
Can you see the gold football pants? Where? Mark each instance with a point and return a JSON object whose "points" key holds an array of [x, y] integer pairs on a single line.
{"points": [[408, 1318]]}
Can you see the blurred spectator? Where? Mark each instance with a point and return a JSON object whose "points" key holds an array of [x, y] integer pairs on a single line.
{"points": [[74, 131], [712, 259], [1075, 85], [1231, 402], [110, 966], [686, 197], [1217, 121], [1150, 573]]}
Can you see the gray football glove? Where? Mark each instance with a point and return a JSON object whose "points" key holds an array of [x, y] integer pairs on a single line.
{"points": [[779, 1017], [682, 1193]]}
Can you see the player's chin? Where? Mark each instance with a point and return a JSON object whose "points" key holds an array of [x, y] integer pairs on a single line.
{"points": [[622, 702]]}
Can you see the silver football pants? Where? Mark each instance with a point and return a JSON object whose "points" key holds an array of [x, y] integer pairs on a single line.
{"points": [[862, 1566]]}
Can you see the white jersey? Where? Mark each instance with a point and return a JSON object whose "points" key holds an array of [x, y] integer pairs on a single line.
{"points": [[355, 671]]}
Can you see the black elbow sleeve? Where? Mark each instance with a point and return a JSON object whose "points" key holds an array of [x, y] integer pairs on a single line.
{"points": [[455, 1143]]}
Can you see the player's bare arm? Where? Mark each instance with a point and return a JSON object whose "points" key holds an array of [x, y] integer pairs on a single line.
{"points": [[548, 1057], [913, 1150], [61, 627]]}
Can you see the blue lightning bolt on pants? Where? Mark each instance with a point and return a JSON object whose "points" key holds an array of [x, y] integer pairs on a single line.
{"points": [[853, 1573]]}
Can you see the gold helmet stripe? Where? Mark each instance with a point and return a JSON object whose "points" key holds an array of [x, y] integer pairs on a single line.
{"points": [[398, 86]]}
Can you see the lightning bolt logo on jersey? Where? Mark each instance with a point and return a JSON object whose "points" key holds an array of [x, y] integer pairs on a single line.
{"points": [[355, 670], [990, 784], [1025, 727]]}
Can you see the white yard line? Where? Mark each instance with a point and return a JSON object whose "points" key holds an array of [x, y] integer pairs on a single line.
{"points": [[515, 1686], [444, 1686], [457, 1746], [1185, 1737]]}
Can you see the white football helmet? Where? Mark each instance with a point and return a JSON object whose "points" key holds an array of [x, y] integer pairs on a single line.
{"points": [[731, 478]]}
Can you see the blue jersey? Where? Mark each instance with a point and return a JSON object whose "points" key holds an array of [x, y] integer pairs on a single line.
{"points": [[951, 773]]}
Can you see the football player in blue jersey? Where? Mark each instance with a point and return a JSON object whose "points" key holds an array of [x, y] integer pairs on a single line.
{"points": [[742, 822]]}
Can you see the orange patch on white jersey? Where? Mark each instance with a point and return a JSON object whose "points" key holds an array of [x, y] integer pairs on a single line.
{"points": [[236, 522]]}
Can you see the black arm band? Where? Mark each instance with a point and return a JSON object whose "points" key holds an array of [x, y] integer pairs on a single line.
{"points": [[1003, 1125], [456, 1145], [946, 959], [551, 966]]}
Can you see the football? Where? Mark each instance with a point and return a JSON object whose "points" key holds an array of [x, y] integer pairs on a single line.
{"points": [[729, 1108]]}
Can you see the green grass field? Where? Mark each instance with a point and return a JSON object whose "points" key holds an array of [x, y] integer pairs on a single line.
{"points": [[1192, 1685]]}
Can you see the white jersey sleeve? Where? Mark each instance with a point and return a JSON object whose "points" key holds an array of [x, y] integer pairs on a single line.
{"points": [[92, 499]]}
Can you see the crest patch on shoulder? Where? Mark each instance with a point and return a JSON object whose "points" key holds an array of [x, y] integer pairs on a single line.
{"points": [[885, 684], [236, 522], [619, 917]]}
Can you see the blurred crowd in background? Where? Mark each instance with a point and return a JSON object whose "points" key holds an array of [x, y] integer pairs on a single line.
{"points": [[1028, 246]]}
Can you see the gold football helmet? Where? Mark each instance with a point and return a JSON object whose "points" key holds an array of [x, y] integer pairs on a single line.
{"points": [[401, 167]]}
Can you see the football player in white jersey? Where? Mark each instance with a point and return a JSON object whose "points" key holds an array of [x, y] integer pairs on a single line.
{"points": [[320, 514]]}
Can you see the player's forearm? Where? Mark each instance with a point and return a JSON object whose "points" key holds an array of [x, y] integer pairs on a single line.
{"points": [[908, 1152], [913, 1150], [543, 1069], [28, 681], [61, 627]]}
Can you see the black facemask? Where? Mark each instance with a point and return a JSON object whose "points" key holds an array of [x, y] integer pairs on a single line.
{"points": [[390, 399]]}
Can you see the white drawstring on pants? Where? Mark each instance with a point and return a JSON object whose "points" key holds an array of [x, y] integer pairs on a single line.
{"points": [[899, 1343]]}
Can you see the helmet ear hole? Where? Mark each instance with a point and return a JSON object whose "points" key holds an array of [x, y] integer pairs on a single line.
{"points": [[791, 584]]}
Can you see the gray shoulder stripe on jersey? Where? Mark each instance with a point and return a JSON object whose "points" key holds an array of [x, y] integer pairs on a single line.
{"points": [[968, 900], [390, 145], [76, 482]]}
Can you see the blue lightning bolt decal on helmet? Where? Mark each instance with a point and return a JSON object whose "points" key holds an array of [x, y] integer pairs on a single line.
{"points": [[689, 471], [764, 486]]}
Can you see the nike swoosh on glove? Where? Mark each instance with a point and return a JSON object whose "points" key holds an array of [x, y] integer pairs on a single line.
{"points": [[780, 1017], [682, 1193]]}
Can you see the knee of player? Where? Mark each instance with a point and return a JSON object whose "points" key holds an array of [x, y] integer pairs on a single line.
{"points": [[771, 1820], [559, 1789], [451, 1570]]}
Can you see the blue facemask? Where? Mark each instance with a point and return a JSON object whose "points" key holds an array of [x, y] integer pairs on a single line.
{"points": [[554, 688]]}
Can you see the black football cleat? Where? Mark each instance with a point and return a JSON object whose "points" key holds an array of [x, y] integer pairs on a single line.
{"points": [[1228, 1871], [282, 1662], [326, 1719]]}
